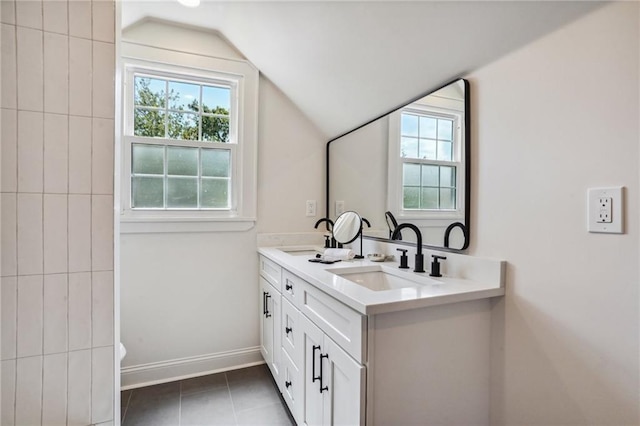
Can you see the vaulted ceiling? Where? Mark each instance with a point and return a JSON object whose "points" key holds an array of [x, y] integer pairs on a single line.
{"points": [[343, 63]]}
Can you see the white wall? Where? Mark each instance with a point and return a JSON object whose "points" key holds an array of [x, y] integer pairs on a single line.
{"points": [[58, 62], [189, 301], [549, 121]]}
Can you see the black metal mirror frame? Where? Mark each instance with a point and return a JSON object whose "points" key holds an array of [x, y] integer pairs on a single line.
{"points": [[467, 158]]}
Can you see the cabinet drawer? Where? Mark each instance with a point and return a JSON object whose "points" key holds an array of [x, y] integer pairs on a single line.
{"points": [[344, 325], [292, 387], [291, 332], [271, 272], [292, 288]]}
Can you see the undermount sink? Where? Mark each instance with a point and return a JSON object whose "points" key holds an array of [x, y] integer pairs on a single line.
{"points": [[381, 278]]}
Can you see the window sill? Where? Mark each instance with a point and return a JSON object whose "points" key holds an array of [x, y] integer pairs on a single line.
{"points": [[162, 225]]}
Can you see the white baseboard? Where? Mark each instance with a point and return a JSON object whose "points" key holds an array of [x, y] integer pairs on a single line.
{"points": [[154, 373]]}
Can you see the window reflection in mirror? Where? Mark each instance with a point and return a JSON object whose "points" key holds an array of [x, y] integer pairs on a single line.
{"points": [[412, 162]]}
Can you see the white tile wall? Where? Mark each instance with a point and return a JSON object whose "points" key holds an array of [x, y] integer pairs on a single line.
{"points": [[79, 76], [80, 19], [30, 69], [80, 155], [29, 234], [102, 156], [102, 385], [55, 233], [29, 390], [29, 13], [79, 388], [56, 73], [103, 79], [101, 229], [80, 311], [56, 153], [30, 321], [30, 151], [9, 287], [8, 392], [57, 98], [9, 166], [54, 389], [79, 233], [8, 228], [9, 76], [102, 308], [55, 313], [8, 11], [54, 14]]}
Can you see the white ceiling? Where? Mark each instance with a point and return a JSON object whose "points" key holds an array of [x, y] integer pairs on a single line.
{"points": [[344, 63]]}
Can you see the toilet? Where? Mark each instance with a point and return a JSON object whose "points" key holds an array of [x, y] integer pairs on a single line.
{"points": [[123, 351]]}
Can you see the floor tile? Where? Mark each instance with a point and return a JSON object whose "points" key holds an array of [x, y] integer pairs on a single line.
{"points": [[248, 374], [207, 408], [204, 383], [254, 393], [163, 411], [274, 414], [151, 393], [125, 396]]}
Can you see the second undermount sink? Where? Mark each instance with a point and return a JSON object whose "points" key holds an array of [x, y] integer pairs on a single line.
{"points": [[381, 278], [296, 251]]}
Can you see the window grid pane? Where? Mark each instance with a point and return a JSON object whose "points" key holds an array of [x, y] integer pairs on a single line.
{"points": [[432, 134], [428, 187], [170, 177], [167, 108]]}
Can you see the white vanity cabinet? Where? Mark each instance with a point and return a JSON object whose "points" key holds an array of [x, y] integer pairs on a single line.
{"points": [[270, 305], [339, 361], [333, 381]]}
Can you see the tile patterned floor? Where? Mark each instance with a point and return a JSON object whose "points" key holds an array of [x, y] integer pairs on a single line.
{"points": [[240, 397]]}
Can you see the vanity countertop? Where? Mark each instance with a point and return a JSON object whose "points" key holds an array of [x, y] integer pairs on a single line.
{"points": [[481, 278]]}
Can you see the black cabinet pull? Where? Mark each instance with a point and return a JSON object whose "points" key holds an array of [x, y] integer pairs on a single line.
{"points": [[322, 388], [288, 330], [287, 384], [288, 286], [313, 364], [266, 305]]}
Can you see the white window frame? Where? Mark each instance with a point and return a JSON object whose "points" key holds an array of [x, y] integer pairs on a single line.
{"points": [[435, 217], [240, 75]]}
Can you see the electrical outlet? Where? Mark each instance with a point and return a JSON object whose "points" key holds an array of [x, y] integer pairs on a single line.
{"points": [[339, 208], [604, 205], [604, 210], [311, 208]]}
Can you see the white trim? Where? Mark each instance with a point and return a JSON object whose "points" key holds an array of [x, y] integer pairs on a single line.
{"points": [[136, 376], [159, 225]]}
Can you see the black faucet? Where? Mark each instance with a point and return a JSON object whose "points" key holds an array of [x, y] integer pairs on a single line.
{"points": [[419, 265], [465, 234], [363, 220], [329, 222]]}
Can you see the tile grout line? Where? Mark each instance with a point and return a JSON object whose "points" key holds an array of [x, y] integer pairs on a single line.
{"points": [[233, 408], [44, 157]]}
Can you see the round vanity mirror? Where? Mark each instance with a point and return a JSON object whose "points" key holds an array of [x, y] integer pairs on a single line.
{"points": [[347, 227]]}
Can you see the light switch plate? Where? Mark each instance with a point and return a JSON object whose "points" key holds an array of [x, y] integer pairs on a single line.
{"points": [[339, 208], [604, 210]]}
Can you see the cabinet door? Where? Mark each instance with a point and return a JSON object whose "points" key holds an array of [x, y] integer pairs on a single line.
{"points": [[312, 339], [266, 322], [344, 398], [275, 309]]}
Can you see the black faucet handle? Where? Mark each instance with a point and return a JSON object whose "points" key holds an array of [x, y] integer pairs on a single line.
{"points": [[327, 241], [435, 265], [404, 260]]}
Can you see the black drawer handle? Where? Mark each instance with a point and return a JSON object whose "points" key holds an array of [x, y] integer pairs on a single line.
{"points": [[287, 384], [266, 305], [288, 330], [322, 388], [313, 364], [288, 286]]}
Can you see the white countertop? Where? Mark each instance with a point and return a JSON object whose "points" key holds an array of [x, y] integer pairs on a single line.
{"points": [[440, 291]]}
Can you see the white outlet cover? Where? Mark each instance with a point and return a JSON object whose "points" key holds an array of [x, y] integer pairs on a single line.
{"points": [[594, 207]]}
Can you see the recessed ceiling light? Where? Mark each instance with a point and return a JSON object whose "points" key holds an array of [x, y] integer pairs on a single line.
{"points": [[189, 3]]}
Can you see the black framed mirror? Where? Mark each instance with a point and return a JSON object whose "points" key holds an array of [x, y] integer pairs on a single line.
{"points": [[411, 164]]}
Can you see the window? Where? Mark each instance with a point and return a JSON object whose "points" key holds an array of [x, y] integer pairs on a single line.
{"points": [[169, 174], [189, 141], [425, 161], [428, 170]]}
